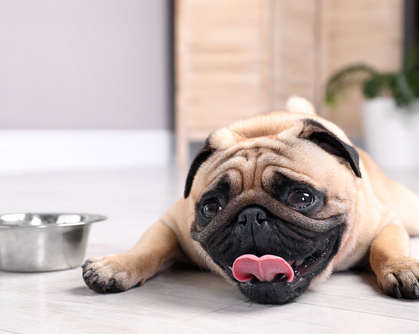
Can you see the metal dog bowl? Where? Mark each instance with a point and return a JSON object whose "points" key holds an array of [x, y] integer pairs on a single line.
{"points": [[31, 242]]}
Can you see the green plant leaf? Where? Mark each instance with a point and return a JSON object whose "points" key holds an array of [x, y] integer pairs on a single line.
{"points": [[347, 77], [375, 85], [402, 91]]}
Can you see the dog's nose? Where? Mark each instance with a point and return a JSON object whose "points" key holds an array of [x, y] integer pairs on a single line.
{"points": [[251, 215]]}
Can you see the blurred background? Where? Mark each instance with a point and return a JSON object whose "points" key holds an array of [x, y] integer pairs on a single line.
{"points": [[103, 104], [113, 84]]}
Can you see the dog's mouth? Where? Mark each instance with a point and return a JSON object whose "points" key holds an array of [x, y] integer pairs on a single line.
{"points": [[272, 260], [266, 268], [275, 269], [272, 279], [249, 268]]}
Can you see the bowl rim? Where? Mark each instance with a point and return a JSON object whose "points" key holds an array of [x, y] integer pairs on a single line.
{"points": [[91, 218]]}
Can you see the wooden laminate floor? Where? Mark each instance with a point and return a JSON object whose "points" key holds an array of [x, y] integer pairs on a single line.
{"points": [[182, 300]]}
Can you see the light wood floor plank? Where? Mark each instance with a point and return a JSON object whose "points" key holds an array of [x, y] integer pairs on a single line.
{"points": [[182, 300]]}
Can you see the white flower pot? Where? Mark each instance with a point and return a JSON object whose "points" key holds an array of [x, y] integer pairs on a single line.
{"points": [[391, 133]]}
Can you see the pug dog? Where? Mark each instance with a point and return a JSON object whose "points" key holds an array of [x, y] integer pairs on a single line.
{"points": [[274, 204]]}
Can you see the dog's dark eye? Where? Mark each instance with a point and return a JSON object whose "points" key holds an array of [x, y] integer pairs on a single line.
{"points": [[300, 199], [211, 208]]}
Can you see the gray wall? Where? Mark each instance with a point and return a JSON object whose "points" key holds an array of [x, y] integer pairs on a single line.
{"points": [[84, 64]]}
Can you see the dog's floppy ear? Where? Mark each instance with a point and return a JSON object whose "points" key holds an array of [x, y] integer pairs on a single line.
{"points": [[327, 140], [202, 156]]}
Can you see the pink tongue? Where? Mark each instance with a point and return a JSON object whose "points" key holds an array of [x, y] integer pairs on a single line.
{"points": [[264, 268]]}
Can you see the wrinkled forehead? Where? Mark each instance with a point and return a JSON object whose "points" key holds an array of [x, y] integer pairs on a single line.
{"points": [[253, 163], [246, 132], [249, 152]]}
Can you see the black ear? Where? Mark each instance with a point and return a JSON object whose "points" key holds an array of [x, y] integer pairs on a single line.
{"points": [[202, 156], [327, 140]]}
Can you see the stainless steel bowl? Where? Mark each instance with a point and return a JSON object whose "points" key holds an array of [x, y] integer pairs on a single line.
{"points": [[31, 242]]}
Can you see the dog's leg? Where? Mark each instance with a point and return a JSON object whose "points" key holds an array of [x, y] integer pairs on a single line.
{"points": [[113, 273], [396, 272]]}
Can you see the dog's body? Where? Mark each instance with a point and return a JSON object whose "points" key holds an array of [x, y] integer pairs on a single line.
{"points": [[287, 186]]}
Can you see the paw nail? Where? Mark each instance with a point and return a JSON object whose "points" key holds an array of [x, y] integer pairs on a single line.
{"points": [[94, 279], [87, 274], [396, 292], [87, 262], [416, 290], [110, 284]]}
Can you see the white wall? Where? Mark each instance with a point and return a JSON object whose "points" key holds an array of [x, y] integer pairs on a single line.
{"points": [[84, 64]]}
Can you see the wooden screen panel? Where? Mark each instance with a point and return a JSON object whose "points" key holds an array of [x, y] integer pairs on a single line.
{"points": [[237, 58], [295, 47], [223, 50], [359, 31]]}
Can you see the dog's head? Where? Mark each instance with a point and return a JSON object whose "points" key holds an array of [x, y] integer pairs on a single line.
{"points": [[272, 197]]}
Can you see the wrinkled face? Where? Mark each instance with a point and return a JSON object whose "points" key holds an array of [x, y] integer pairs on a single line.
{"points": [[276, 220], [267, 221]]}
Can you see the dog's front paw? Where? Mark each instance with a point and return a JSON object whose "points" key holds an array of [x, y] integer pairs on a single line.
{"points": [[112, 273], [399, 278]]}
